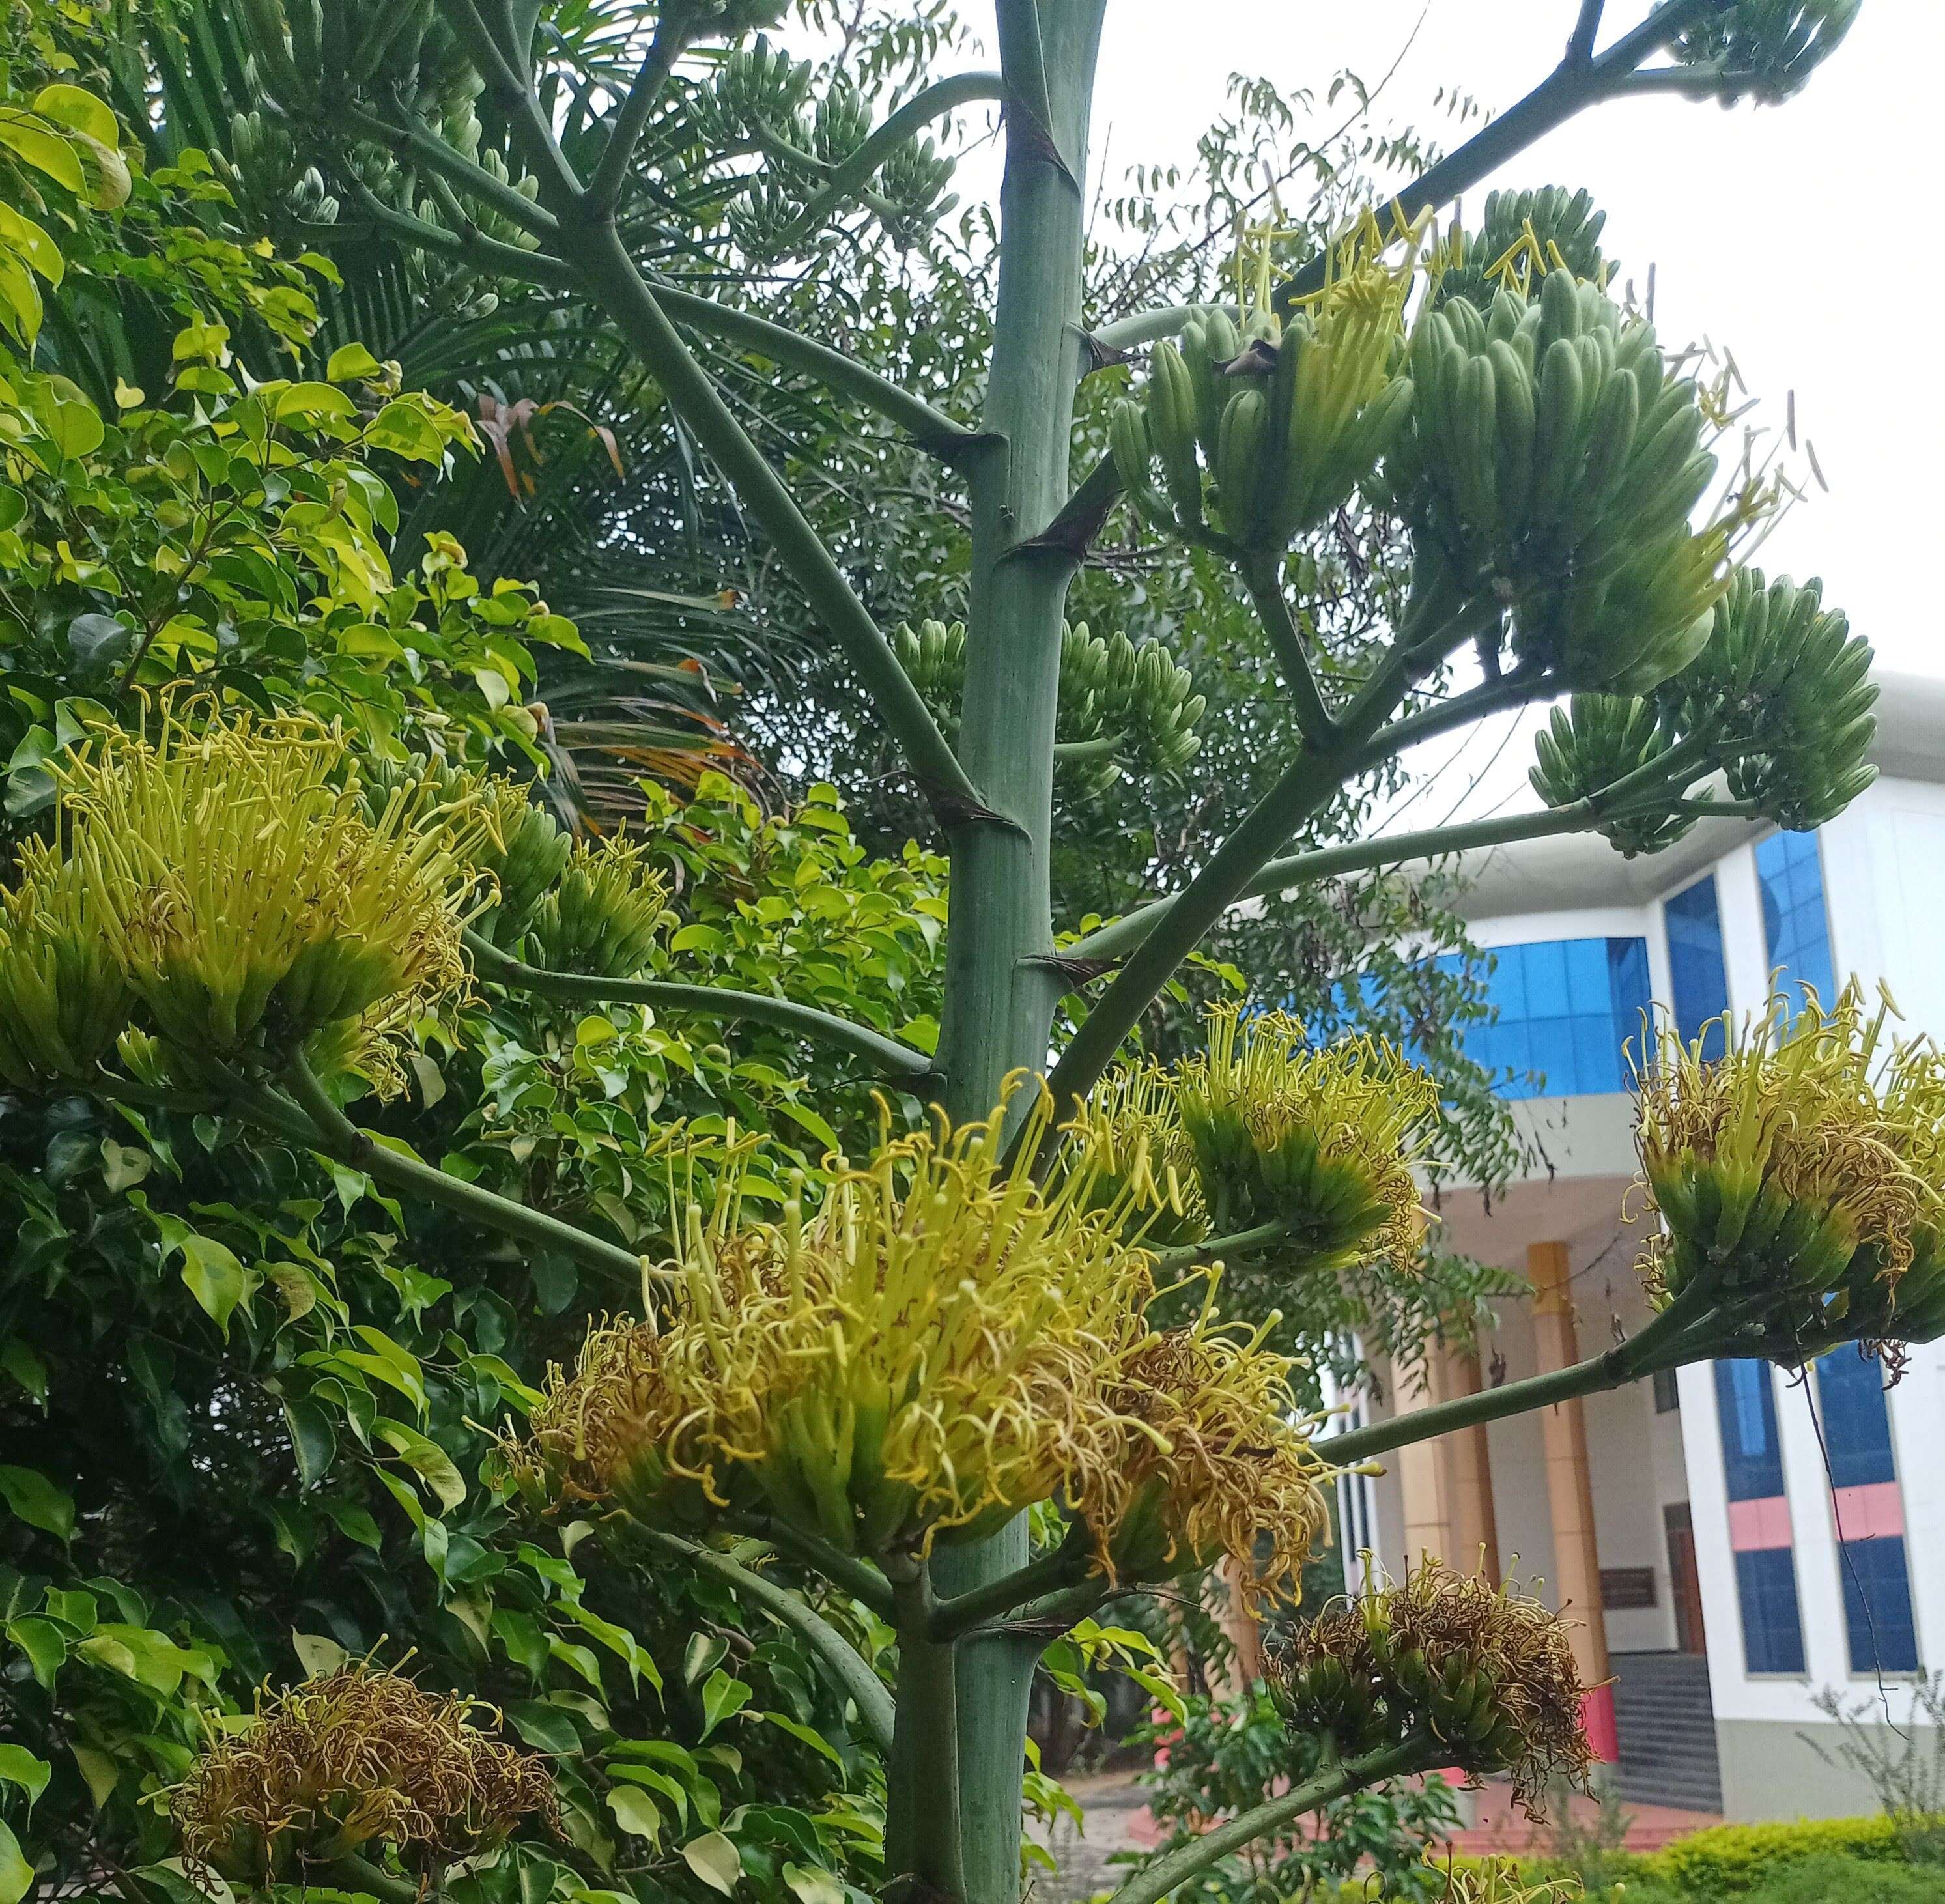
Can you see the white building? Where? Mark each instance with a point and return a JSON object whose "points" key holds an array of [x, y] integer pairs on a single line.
{"points": [[1726, 1573]]}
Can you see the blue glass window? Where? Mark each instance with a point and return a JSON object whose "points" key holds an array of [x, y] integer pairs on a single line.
{"points": [[1772, 1627], [1746, 1406], [1856, 1424], [1565, 1008], [1795, 922], [1694, 924], [1877, 1606]]}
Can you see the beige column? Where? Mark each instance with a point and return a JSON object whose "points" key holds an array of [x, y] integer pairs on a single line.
{"points": [[1576, 1561], [1469, 1475], [1421, 1472], [1245, 1635]]}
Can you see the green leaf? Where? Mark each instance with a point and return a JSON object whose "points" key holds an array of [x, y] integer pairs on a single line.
{"points": [[721, 1698], [18, 1358], [16, 1875], [75, 427], [35, 1499], [715, 1860], [46, 152], [814, 1885], [426, 1459], [20, 1767], [44, 1644], [703, 1654], [635, 1811], [210, 1271], [69, 105], [546, 1728], [807, 1735], [26, 238], [313, 1438], [101, 1771], [351, 360]]}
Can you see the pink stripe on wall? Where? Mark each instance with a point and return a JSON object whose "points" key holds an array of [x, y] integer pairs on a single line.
{"points": [[1754, 1526], [1874, 1511]]}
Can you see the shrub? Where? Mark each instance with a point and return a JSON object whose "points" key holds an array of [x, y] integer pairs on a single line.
{"points": [[1728, 1860]]}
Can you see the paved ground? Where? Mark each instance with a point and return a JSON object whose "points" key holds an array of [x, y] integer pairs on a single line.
{"points": [[1118, 1820]]}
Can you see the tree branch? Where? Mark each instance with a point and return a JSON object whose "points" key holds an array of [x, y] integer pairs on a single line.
{"points": [[1262, 577], [1570, 88], [904, 1064], [484, 254], [1690, 82], [452, 165], [331, 1132], [932, 102], [933, 429], [1580, 42], [604, 263], [1686, 1331], [1190, 1255], [1067, 1565], [853, 1674], [1316, 774], [1155, 1881], [1147, 327], [1115, 940], [859, 1578], [610, 174], [514, 96]]}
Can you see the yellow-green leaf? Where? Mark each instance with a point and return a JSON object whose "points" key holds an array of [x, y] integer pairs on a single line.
{"points": [[16, 1875], [35, 1500], [635, 1811], [70, 106], [715, 1860], [24, 236], [31, 140]]}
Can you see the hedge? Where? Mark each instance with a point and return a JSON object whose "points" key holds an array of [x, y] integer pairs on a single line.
{"points": [[1725, 1859]]}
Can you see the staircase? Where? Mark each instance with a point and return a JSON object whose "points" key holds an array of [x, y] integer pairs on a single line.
{"points": [[1666, 1724]]}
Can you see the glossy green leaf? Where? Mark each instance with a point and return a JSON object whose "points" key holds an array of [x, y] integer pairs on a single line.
{"points": [[30, 1496]]}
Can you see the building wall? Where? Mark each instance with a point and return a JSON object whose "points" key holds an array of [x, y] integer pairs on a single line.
{"points": [[1883, 869]]}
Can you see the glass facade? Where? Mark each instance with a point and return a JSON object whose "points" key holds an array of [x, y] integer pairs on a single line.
{"points": [[1876, 1579], [1701, 983], [1759, 1531], [1565, 1008], [1796, 924]]}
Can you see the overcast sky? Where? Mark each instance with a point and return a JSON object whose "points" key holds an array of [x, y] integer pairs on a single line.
{"points": [[1803, 236]]}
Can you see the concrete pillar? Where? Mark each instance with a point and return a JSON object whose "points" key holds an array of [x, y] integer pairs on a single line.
{"points": [[1244, 1633], [1476, 1533], [1577, 1560], [1421, 1471]]}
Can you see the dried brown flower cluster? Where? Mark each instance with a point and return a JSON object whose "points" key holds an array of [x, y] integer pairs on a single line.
{"points": [[1485, 1674], [349, 1764], [1218, 1462]]}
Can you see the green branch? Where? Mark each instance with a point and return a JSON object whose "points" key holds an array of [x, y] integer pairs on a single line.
{"points": [[511, 92], [605, 264], [1190, 1255], [1309, 783], [491, 255], [1262, 576], [1687, 1330], [859, 1578], [903, 1063], [1147, 327], [853, 1674], [849, 174], [327, 1129], [1116, 941], [1155, 1881], [451, 164], [610, 173], [1574, 85], [1067, 1565], [933, 429]]}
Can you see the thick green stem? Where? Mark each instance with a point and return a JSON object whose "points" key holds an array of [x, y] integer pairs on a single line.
{"points": [[1155, 1881], [336, 1136], [902, 1064], [1169, 1261], [1067, 1565], [925, 1825], [1002, 985], [1262, 575], [853, 1674]]}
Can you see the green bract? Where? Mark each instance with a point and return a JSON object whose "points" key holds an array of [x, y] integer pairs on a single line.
{"points": [[1595, 741]]}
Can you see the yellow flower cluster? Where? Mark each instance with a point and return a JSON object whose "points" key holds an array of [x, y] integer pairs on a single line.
{"points": [[1799, 1172], [227, 876], [1319, 1139]]}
